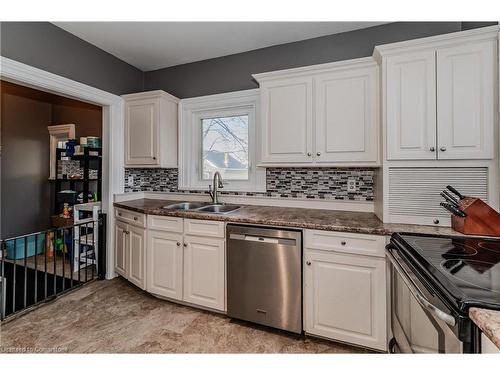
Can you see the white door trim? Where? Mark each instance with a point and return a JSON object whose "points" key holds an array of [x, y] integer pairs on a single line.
{"points": [[113, 136], [58, 133]]}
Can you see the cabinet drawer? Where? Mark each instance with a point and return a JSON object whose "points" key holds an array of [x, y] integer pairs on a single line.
{"points": [[204, 228], [131, 217], [165, 223], [352, 243]]}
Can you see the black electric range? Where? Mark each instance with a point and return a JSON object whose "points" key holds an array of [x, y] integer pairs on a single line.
{"points": [[448, 275], [467, 269]]}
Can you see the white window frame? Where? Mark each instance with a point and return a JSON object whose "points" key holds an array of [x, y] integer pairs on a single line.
{"points": [[192, 111]]}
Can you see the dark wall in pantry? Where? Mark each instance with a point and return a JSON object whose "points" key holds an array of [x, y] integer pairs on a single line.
{"points": [[86, 117], [233, 73], [26, 193], [48, 47]]}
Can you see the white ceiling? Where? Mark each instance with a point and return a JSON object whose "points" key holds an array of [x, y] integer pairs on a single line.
{"points": [[155, 45]]}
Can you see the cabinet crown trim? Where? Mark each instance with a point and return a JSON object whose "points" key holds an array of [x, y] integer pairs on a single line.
{"points": [[151, 94], [437, 41], [362, 62]]}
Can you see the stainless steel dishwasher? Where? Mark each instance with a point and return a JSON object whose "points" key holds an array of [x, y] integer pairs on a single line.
{"points": [[264, 276]]}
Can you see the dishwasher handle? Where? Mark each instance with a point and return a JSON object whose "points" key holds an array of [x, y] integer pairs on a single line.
{"points": [[263, 239]]}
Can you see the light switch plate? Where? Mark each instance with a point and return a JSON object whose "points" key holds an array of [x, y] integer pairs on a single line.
{"points": [[351, 185], [130, 180]]}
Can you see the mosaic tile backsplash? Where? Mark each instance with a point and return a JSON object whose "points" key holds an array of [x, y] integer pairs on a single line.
{"points": [[311, 183]]}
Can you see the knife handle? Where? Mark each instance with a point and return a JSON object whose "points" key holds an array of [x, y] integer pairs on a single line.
{"points": [[449, 198], [453, 210], [455, 191]]}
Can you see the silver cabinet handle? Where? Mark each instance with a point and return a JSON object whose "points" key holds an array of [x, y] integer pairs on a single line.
{"points": [[442, 149], [308, 263], [309, 154], [432, 149], [440, 314], [318, 153]]}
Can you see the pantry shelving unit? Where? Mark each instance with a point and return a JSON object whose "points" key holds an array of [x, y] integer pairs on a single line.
{"points": [[89, 160]]}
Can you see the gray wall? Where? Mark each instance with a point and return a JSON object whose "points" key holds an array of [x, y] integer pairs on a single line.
{"points": [[232, 73], [48, 47]]}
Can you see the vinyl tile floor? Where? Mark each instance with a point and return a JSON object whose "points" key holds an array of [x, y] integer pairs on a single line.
{"points": [[114, 316]]}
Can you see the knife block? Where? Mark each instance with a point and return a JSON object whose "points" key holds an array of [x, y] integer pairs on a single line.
{"points": [[481, 219]]}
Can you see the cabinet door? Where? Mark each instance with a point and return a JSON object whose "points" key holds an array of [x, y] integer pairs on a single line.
{"points": [[347, 116], [345, 298], [466, 101], [164, 268], [411, 106], [121, 248], [142, 119], [287, 121], [136, 256], [204, 272]]}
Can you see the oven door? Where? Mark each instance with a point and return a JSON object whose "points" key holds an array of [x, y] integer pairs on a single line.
{"points": [[420, 322]]}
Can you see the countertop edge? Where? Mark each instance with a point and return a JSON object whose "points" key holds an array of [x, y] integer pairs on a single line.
{"points": [[279, 223], [488, 322]]}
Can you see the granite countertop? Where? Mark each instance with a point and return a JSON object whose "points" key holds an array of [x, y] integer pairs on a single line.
{"points": [[342, 221], [488, 321]]}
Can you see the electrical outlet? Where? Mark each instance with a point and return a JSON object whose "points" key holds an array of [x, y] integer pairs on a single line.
{"points": [[130, 181], [351, 185]]}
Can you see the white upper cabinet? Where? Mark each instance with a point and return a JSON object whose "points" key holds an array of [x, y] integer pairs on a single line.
{"points": [[323, 115], [466, 101], [411, 106], [287, 120], [151, 130], [439, 96], [347, 115]]}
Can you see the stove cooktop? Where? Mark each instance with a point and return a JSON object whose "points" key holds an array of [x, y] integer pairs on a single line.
{"points": [[467, 268]]}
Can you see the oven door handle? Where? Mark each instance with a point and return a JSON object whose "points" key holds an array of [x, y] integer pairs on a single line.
{"points": [[436, 312]]}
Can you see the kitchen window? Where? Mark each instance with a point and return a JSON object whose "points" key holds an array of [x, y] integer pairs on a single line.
{"points": [[218, 133]]}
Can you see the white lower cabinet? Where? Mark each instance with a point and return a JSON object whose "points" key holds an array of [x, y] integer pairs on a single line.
{"points": [[130, 252], [164, 269], [121, 248], [186, 261], [487, 346], [136, 256], [345, 294], [204, 270]]}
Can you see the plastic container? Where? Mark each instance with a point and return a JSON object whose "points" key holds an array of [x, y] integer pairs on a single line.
{"points": [[15, 249]]}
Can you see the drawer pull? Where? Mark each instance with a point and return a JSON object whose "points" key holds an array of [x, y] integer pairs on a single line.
{"points": [[178, 244], [343, 243], [135, 218], [308, 263], [185, 245], [119, 214]]}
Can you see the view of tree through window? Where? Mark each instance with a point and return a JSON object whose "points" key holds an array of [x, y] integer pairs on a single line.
{"points": [[225, 147]]}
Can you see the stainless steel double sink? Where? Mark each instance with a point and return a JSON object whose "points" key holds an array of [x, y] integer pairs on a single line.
{"points": [[203, 207]]}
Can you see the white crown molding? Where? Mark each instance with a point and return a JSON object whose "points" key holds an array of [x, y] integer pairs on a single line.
{"points": [[151, 94], [233, 97], [355, 206], [113, 136], [362, 62], [490, 32]]}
